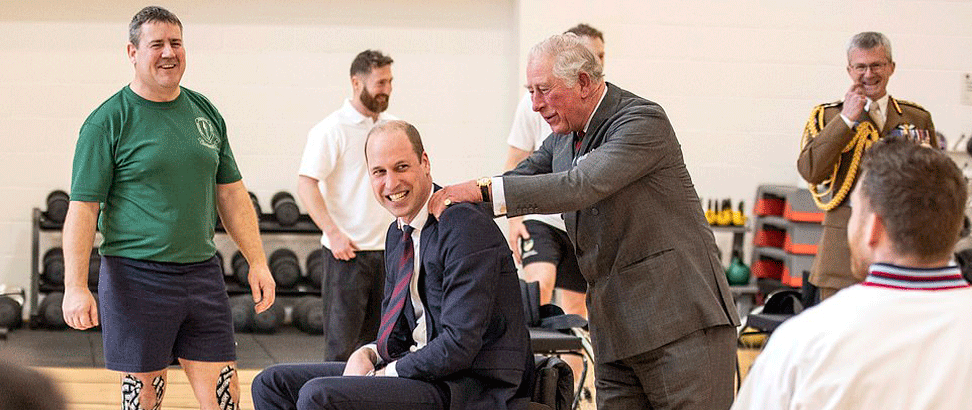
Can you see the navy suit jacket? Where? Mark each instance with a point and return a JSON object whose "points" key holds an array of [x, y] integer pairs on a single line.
{"points": [[478, 343]]}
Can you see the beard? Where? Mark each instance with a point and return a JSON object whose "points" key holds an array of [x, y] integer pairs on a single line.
{"points": [[375, 103]]}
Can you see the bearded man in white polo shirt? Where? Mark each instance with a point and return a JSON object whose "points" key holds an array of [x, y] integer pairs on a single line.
{"points": [[333, 186]]}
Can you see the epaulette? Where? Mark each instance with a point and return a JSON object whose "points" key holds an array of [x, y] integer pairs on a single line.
{"points": [[832, 104], [910, 104]]}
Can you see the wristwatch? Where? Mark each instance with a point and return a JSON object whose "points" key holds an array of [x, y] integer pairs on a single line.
{"points": [[484, 184]]}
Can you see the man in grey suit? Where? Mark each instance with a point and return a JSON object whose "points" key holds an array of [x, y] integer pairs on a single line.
{"points": [[661, 315]]}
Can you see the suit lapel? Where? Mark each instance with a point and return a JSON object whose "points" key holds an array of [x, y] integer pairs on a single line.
{"points": [[428, 236], [429, 239], [595, 136]]}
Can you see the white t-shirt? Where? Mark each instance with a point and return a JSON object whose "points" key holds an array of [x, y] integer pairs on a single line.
{"points": [[870, 347], [527, 133], [334, 155]]}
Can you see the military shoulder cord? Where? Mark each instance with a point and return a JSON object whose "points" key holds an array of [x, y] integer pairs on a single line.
{"points": [[865, 136]]}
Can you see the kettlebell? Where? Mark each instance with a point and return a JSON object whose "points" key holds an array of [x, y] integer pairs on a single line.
{"points": [[737, 273], [724, 217], [710, 214], [738, 217]]}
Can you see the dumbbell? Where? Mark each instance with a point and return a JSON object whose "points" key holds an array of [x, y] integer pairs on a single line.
{"points": [[315, 267], [57, 206], [50, 310], [245, 319], [53, 263], [11, 312], [284, 267], [269, 320], [285, 209], [308, 315], [240, 268], [242, 308], [256, 204]]}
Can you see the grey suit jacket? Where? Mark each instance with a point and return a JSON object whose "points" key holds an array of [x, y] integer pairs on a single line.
{"points": [[636, 222]]}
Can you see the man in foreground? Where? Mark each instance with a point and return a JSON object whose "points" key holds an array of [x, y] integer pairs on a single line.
{"points": [[894, 341]]}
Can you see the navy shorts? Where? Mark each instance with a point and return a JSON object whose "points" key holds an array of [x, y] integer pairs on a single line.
{"points": [[154, 312], [549, 244]]}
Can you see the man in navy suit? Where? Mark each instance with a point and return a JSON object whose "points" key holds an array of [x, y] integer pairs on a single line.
{"points": [[452, 333]]}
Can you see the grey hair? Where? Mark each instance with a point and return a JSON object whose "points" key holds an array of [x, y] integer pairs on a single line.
{"points": [[147, 15], [570, 58], [868, 40]]}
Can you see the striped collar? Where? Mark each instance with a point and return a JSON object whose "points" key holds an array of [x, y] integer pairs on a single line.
{"points": [[884, 275]]}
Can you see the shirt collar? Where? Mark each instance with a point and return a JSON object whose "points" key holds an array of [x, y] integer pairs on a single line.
{"points": [[599, 101], [352, 115], [881, 102], [419, 221], [885, 275]]}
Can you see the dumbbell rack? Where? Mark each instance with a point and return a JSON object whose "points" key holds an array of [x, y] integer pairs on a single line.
{"points": [[269, 225], [40, 223]]}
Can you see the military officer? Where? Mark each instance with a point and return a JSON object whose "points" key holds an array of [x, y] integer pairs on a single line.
{"points": [[835, 140]]}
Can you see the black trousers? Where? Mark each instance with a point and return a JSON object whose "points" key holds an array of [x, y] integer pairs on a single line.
{"points": [[694, 372], [352, 292], [314, 386]]}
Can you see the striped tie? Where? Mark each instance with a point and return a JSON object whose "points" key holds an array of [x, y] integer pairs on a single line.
{"points": [[406, 265], [578, 139]]}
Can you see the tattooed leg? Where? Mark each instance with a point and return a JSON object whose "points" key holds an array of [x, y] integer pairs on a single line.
{"points": [[223, 388], [132, 392], [216, 385]]}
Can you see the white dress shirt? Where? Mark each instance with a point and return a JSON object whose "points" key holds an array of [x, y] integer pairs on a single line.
{"points": [[419, 334], [882, 105]]}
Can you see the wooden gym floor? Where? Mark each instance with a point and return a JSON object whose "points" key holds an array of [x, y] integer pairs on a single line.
{"points": [[75, 360]]}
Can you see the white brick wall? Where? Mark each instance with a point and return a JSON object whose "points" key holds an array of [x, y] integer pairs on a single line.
{"points": [[737, 78]]}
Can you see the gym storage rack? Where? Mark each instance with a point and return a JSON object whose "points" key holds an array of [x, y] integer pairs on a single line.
{"points": [[787, 229]]}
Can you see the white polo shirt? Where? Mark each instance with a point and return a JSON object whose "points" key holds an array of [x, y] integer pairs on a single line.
{"points": [[334, 155]]}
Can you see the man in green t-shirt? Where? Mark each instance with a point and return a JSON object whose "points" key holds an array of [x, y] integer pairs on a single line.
{"points": [[155, 162]]}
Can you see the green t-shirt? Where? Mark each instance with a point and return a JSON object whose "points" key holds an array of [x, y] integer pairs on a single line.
{"points": [[154, 167]]}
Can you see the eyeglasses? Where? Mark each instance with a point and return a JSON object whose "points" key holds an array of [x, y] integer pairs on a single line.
{"points": [[875, 67]]}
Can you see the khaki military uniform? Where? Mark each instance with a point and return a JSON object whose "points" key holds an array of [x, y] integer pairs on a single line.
{"points": [[822, 152]]}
